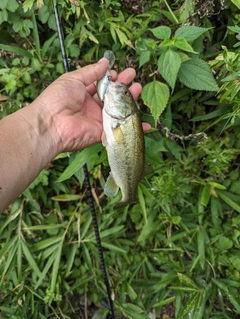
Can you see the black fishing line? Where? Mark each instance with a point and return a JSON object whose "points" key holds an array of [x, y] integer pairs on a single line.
{"points": [[108, 302]]}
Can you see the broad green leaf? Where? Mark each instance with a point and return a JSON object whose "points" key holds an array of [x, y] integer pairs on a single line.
{"points": [[161, 32], [43, 14], [74, 50], [182, 44], [16, 50], [26, 78], [225, 243], [196, 74], [235, 28], [169, 64], [189, 32], [82, 158], [185, 11], [144, 58], [3, 4], [36, 65], [155, 95], [3, 17], [237, 3], [10, 5]]}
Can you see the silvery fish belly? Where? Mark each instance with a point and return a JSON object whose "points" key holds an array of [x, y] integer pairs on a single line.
{"points": [[124, 141]]}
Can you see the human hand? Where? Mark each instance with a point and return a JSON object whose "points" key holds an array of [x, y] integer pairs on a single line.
{"points": [[75, 110]]}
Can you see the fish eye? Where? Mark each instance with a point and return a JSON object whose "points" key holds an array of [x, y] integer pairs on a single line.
{"points": [[127, 93]]}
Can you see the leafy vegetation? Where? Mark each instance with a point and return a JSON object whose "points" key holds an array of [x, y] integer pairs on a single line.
{"points": [[176, 252]]}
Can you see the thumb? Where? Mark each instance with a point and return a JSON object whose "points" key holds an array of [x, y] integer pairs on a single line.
{"points": [[91, 73]]}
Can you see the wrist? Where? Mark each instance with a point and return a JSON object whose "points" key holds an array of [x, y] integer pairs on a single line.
{"points": [[44, 138]]}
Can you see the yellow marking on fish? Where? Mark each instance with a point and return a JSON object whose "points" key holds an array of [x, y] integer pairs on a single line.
{"points": [[118, 135]]}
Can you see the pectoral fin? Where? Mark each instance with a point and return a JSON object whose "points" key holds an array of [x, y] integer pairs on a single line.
{"points": [[118, 134], [110, 187]]}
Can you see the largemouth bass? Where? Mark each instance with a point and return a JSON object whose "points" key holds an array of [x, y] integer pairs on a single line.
{"points": [[124, 141]]}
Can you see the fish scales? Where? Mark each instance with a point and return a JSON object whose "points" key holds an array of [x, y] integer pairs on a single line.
{"points": [[124, 141]]}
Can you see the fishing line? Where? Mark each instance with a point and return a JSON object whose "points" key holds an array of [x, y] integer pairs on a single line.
{"points": [[108, 302]]}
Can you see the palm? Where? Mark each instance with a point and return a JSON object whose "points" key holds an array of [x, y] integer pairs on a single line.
{"points": [[75, 108]]}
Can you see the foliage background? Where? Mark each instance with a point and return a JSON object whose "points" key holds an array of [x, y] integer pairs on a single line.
{"points": [[176, 252]]}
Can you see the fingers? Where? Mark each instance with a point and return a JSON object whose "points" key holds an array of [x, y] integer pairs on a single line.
{"points": [[146, 126]]}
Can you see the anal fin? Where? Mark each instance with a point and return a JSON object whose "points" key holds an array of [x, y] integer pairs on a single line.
{"points": [[110, 187]]}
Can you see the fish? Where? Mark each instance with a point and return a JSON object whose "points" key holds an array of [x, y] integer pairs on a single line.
{"points": [[124, 141], [102, 84]]}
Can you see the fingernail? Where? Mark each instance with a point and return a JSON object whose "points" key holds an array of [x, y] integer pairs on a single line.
{"points": [[101, 59]]}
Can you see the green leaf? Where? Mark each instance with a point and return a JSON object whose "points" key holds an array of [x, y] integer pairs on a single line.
{"points": [[16, 50], [161, 32], [3, 16], [3, 4], [235, 28], [196, 74], [169, 64], [231, 298], [36, 65], [187, 281], [205, 195], [10, 5], [182, 44], [217, 185], [74, 51], [66, 197], [56, 266], [155, 95], [133, 312], [43, 14], [189, 32], [201, 247], [236, 3], [30, 259], [142, 204], [27, 5], [82, 158], [227, 200], [185, 11], [144, 58], [23, 27], [225, 243]]}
